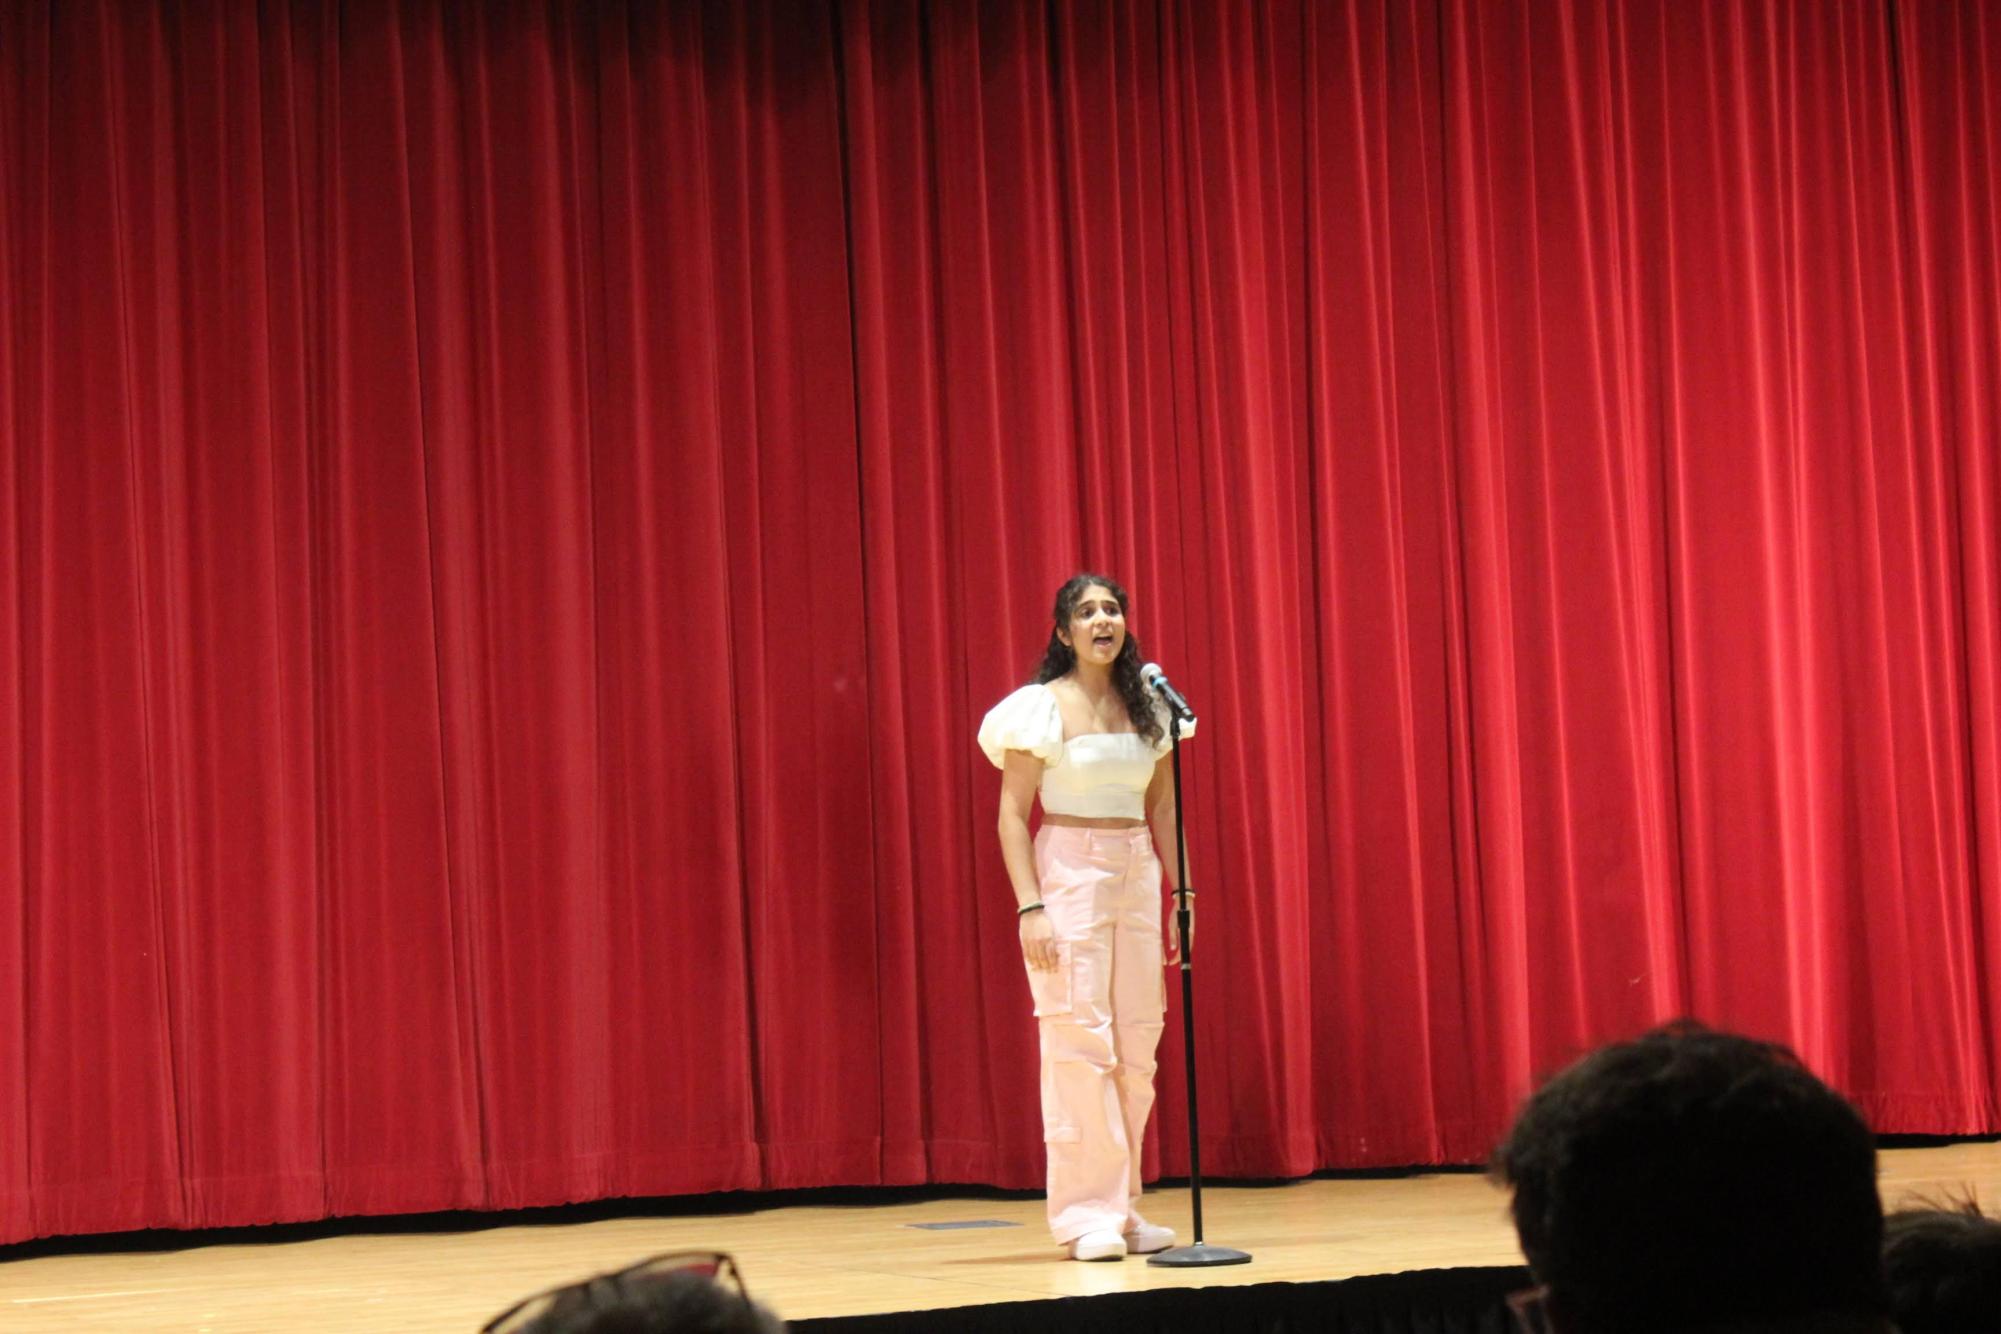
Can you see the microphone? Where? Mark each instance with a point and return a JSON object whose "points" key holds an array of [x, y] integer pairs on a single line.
{"points": [[1156, 681]]}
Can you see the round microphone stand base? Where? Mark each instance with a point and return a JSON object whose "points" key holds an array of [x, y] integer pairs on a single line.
{"points": [[1199, 1256]]}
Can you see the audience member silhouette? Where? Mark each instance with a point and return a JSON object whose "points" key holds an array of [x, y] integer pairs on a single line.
{"points": [[684, 1293], [1944, 1269], [1693, 1180]]}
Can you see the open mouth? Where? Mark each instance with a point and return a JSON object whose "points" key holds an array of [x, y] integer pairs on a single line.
{"points": [[1102, 641]]}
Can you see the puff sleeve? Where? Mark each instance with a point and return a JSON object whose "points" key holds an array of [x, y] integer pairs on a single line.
{"points": [[1026, 720]]}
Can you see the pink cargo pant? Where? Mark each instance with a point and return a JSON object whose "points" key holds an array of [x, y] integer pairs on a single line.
{"points": [[1100, 1015]]}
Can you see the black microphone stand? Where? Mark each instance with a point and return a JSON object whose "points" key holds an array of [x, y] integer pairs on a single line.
{"points": [[1200, 1253]]}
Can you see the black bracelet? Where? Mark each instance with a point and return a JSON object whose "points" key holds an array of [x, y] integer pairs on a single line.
{"points": [[1028, 908]]}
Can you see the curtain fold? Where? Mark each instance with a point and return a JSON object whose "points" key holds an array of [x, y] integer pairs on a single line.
{"points": [[1946, 60], [511, 515]]}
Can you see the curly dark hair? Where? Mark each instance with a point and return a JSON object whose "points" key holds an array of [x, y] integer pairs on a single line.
{"points": [[690, 1303], [1689, 1177], [1944, 1267], [1059, 659]]}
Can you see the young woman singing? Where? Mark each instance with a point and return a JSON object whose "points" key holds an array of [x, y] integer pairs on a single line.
{"points": [[1090, 741]]}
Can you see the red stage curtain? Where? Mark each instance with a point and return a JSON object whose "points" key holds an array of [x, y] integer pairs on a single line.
{"points": [[511, 514]]}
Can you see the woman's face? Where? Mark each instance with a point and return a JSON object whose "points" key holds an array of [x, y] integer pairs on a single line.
{"points": [[1097, 629]]}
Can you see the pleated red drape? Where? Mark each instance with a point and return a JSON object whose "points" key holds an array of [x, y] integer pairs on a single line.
{"points": [[511, 514]]}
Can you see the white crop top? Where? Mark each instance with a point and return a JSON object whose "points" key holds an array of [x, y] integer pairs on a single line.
{"points": [[1100, 775]]}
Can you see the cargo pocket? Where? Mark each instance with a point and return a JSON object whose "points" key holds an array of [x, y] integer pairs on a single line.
{"points": [[1066, 1077], [1051, 990]]}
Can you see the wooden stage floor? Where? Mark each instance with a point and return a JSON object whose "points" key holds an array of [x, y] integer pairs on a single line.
{"points": [[810, 1259]]}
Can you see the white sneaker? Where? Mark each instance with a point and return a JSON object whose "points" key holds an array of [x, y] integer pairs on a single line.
{"points": [[1105, 1245], [1144, 1238]]}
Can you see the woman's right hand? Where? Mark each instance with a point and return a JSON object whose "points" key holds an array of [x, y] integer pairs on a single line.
{"points": [[1038, 941]]}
